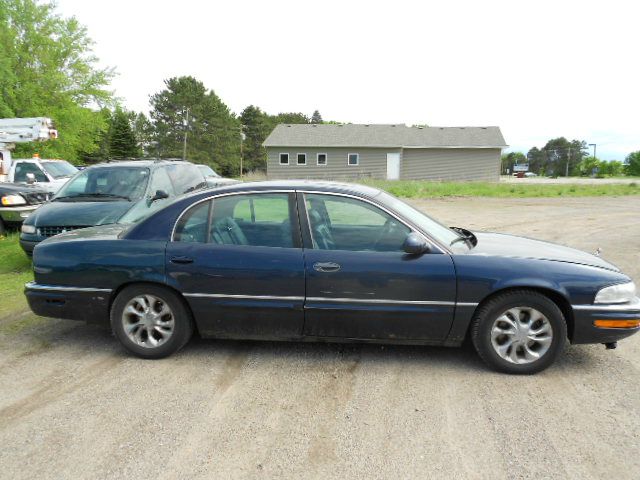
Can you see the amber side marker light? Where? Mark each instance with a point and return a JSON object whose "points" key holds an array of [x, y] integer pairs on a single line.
{"points": [[617, 323]]}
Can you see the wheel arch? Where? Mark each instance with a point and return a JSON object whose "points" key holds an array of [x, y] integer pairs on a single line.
{"points": [[555, 296], [120, 288]]}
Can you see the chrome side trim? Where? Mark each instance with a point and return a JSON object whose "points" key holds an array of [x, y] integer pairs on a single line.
{"points": [[377, 301], [633, 306], [241, 297], [467, 304], [60, 288]]}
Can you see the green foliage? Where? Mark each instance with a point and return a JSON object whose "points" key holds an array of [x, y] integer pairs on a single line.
{"points": [[632, 164], [122, 141], [316, 117], [213, 132], [15, 271], [47, 69], [557, 156], [256, 126], [290, 117], [591, 166]]}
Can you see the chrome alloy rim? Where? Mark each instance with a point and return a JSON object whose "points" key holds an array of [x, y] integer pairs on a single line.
{"points": [[148, 321], [521, 335]]}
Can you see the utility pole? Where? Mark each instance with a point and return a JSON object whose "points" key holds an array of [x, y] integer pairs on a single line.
{"points": [[241, 153], [594, 149], [568, 159], [186, 130]]}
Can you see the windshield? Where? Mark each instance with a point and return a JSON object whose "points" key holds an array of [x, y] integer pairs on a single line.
{"points": [[128, 183], [438, 231], [59, 169], [207, 171]]}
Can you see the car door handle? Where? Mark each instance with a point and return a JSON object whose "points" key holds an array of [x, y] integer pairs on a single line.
{"points": [[181, 260], [326, 267]]}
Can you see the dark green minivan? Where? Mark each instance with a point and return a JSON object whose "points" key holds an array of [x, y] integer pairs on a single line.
{"points": [[116, 192]]}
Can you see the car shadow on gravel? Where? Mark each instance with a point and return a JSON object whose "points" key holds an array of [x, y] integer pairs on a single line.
{"points": [[88, 338]]}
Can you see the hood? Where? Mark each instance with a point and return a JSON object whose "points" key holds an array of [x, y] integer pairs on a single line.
{"points": [[219, 181], [103, 232], [9, 188], [502, 245], [78, 214]]}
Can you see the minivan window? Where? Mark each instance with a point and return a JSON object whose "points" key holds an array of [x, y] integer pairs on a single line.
{"points": [[186, 178], [116, 182]]}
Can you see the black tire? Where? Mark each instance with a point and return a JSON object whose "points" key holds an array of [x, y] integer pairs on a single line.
{"points": [[489, 312], [182, 328]]}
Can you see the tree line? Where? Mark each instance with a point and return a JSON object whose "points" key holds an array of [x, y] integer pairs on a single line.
{"points": [[47, 68]]}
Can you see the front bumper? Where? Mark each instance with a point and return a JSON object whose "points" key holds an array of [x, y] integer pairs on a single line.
{"points": [[585, 315], [28, 245], [73, 303], [16, 214]]}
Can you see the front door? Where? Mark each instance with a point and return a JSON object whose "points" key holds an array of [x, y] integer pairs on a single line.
{"points": [[359, 282], [238, 261], [393, 166]]}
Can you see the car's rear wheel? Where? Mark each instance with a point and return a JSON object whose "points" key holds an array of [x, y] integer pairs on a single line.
{"points": [[151, 321], [520, 331]]}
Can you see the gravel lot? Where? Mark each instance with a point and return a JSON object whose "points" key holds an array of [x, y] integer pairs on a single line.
{"points": [[74, 405]]}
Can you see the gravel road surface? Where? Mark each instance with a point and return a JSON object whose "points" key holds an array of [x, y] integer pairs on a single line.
{"points": [[74, 405]]}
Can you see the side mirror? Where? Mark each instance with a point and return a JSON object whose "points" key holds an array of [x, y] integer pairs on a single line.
{"points": [[31, 178], [415, 244], [160, 194]]}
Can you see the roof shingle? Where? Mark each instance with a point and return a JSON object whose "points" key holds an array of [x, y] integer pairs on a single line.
{"points": [[386, 136]]}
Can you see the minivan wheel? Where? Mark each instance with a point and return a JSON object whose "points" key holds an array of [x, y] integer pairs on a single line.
{"points": [[520, 331], [150, 321]]}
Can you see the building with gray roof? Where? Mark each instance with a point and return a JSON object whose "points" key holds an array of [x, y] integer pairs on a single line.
{"points": [[347, 151]]}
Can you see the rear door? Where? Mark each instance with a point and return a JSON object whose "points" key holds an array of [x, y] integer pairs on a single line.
{"points": [[238, 261], [361, 284]]}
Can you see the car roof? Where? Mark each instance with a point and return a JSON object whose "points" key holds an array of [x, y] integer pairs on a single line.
{"points": [[308, 185], [139, 163]]}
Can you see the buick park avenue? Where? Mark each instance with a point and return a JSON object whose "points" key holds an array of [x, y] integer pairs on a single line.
{"points": [[315, 261]]}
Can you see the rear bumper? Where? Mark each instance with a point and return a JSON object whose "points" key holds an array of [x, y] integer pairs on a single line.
{"points": [[73, 303], [584, 316], [16, 214]]}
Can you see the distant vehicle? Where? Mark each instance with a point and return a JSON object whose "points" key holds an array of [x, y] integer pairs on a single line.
{"points": [[530, 174], [17, 202], [213, 179], [321, 261], [110, 193], [49, 174]]}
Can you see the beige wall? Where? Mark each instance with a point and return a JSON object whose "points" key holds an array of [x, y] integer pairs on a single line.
{"points": [[464, 164]]}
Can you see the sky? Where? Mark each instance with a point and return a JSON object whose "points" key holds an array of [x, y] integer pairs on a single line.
{"points": [[537, 69]]}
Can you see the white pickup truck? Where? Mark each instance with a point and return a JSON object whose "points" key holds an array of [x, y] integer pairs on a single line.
{"points": [[49, 175]]}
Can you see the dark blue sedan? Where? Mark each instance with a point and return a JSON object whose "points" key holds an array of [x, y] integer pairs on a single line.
{"points": [[320, 261]]}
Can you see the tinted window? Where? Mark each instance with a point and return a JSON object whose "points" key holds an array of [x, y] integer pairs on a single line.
{"points": [[342, 223], [22, 168], [192, 226], [186, 178], [161, 181], [257, 219]]}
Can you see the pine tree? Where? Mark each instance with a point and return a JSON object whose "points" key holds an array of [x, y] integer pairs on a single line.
{"points": [[316, 117], [122, 141], [256, 127]]}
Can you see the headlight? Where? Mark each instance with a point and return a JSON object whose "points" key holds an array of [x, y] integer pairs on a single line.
{"points": [[29, 229], [9, 200], [622, 293]]}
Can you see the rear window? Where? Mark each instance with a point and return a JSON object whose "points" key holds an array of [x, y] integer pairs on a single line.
{"points": [[186, 178]]}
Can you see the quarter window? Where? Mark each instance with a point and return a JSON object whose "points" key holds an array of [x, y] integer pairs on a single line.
{"points": [[302, 159], [322, 159], [342, 223], [353, 158], [284, 159], [192, 226]]}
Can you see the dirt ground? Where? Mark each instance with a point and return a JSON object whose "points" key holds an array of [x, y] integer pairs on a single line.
{"points": [[74, 405]]}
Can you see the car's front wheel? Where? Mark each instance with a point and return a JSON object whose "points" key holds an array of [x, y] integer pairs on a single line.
{"points": [[151, 321], [520, 331]]}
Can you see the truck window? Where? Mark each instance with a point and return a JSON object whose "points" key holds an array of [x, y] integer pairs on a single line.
{"points": [[22, 168]]}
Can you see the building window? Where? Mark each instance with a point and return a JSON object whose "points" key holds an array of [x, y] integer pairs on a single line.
{"points": [[322, 159], [353, 159], [302, 159], [284, 159]]}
